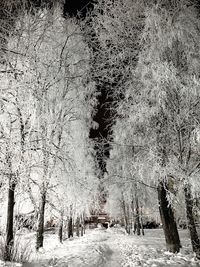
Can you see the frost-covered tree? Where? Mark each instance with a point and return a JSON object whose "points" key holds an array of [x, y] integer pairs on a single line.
{"points": [[112, 30], [76, 183], [13, 139], [160, 95], [125, 171], [47, 62], [169, 65]]}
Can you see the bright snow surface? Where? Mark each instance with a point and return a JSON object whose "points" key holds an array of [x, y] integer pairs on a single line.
{"points": [[112, 248]]}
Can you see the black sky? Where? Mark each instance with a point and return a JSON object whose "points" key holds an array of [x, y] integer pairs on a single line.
{"points": [[73, 7]]}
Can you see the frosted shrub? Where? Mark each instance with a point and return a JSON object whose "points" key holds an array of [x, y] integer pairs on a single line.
{"points": [[21, 251]]}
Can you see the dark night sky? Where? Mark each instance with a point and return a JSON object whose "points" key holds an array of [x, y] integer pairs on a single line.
{"points": [[73, 6]]}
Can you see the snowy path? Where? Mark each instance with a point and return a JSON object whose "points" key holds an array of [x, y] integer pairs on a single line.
{"points": [[96, 249], [113, 248]]}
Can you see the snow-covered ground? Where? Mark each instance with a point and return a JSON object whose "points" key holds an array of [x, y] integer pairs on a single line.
{"points": [[111, 248]]}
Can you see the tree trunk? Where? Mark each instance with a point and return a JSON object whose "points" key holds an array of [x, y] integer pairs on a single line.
{"points": [[77, 227], [9, 243], [141, 222], [134, 228], [131, 226], [128, 220], [82, 229], [125, 214], [125, 219], [60, 230], [40, 226], [191, 222], [137, 219], [36, 215], [82, 225], [70, 227], [133, 215], [168, 220]]}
